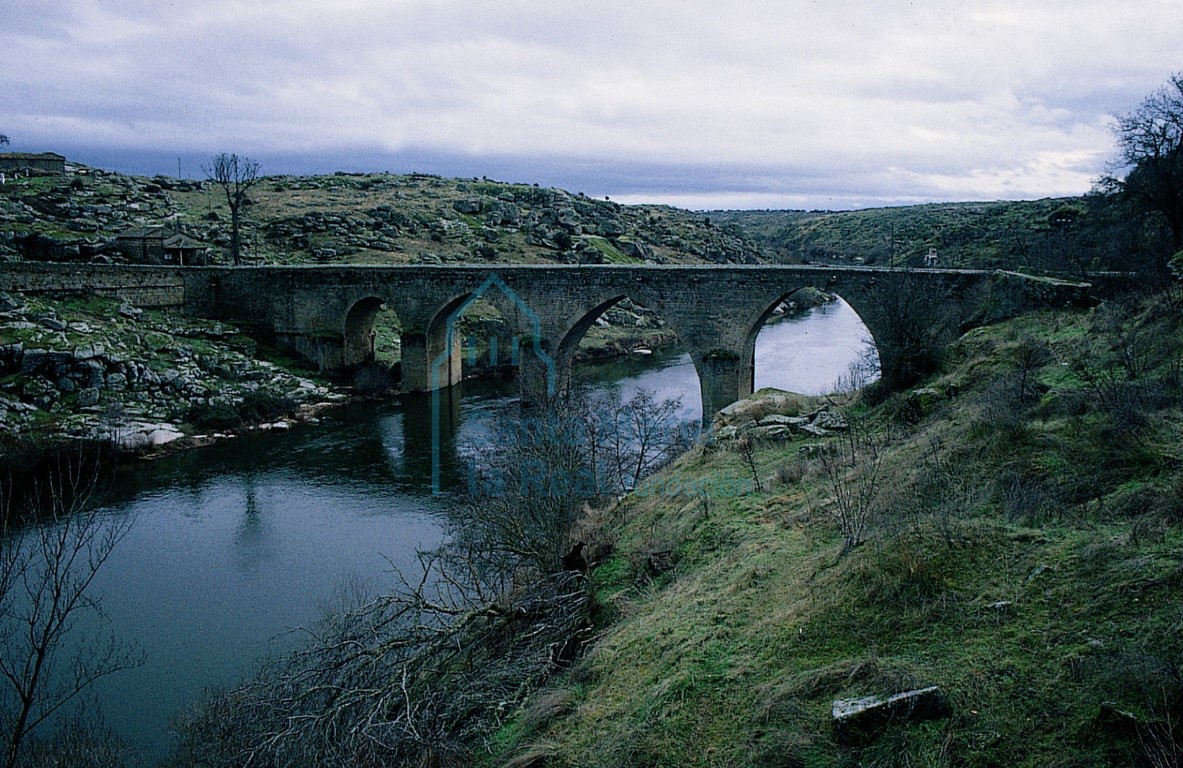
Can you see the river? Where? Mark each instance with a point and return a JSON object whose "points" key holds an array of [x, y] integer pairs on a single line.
{"points": [[236, 545]]}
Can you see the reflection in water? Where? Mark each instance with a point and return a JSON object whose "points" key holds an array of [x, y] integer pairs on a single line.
{"points": [[236, 544], [250, 537], [811, 354], [816, 353]]}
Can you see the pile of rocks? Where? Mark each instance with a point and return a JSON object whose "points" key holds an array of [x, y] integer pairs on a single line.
{"points": [[773, 416], [78, 221], [127, 377]]}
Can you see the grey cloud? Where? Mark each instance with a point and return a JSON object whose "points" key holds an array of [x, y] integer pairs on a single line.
{"points": [[800, 100]]}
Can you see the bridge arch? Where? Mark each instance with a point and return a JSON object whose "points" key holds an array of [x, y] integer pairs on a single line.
{"points": [[358, 336], [526, 344], [431, 357], [578, 323], [750, 359]]}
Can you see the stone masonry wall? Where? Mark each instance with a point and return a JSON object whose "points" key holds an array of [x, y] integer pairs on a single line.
{"points": [[147, 287]]}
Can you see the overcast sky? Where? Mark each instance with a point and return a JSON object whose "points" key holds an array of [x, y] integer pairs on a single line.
{"points": [[727, 103]]}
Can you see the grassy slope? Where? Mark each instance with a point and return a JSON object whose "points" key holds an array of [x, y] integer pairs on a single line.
{"points": [[1002, 234], [1046, 495]]}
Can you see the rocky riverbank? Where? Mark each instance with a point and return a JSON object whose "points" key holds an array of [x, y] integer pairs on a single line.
{"points": [[93, 369]]}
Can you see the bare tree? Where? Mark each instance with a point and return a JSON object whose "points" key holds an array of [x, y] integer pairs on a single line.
{"points": [[424, 675], [851, 467], [630, 440], [47, 569], [746, 448], [1150, 146], [235, 175]]}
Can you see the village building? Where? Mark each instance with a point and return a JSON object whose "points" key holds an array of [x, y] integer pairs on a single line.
{"points": [[43, 162], [161, 245]]}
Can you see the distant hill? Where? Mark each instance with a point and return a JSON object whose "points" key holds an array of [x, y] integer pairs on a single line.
{"points": [[359, 218], [418, 218], [1055, 234]]}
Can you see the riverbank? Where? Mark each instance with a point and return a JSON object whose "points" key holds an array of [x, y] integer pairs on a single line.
{"points": [[1001, 544], [89, 370]]}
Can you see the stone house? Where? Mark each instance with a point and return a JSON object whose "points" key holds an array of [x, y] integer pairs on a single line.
{"points": [[160, 245], [43, 162]]}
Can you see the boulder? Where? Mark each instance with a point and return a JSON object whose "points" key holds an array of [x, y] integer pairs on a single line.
{"points": [[35, 361], [775, 432], [469, 206], [924, 401], [10, 357], [139, 435], [10, 303], [859, 720], [163, 434], [88, 397], [93, 373], [611, 228], [727, 433], [830, 421], [759, 405], [777, 420]]}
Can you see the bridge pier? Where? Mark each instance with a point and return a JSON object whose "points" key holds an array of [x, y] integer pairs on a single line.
{"points": [[541, 377], [427, 366], [326, 351], [723, 378]]}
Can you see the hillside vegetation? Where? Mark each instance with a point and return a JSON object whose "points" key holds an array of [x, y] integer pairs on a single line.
{"points": [[359, 218], [417, 218], [1011, 533], [1065, 235]]}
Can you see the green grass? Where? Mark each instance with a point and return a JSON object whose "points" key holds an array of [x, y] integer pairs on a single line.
{"points": [[995, 235], [611, 252], [1032, 603]]}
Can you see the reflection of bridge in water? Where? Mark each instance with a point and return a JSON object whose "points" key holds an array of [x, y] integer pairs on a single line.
{"points": [[326, 313]]}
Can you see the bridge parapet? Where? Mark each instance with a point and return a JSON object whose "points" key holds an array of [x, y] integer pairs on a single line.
{"points": [[717, 311]]}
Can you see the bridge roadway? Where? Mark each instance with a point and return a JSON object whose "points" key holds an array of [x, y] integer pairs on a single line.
{"points": [[326, 313]]}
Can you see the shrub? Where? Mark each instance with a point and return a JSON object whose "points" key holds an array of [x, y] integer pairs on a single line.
{"points": [[265, 405], [255, 407], [217, 415]]}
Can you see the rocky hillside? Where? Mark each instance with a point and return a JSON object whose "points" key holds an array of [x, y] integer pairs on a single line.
{"points": [[354, 218], [95, 369], [1063, 235]]}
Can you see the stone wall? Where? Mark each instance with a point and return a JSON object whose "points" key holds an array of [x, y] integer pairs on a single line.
{"points": [[147, 287]]}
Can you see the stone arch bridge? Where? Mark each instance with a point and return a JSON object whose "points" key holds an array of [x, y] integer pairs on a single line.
{"points": [[325, 313]]}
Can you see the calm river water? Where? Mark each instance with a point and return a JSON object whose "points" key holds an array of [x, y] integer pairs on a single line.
{"points": [[235, 545]]}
